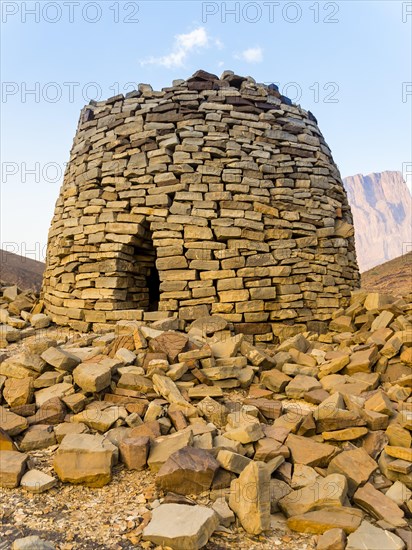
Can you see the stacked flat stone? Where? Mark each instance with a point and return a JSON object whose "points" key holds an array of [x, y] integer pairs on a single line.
{"points": [[213, 196]]}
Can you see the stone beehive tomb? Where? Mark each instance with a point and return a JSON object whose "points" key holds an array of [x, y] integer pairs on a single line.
{"points": [[213, 196]]}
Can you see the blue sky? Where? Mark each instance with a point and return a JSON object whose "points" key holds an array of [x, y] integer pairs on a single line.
{"points": [[349, 62]]}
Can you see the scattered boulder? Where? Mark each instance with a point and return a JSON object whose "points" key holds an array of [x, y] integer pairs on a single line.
{"points": [[36, 481], [134, 452], [85, 459], [60, 359], [39, 436], [66, 428], [187, 471], [379, 505], [18, 391], [12, 467], [12, 423], [315, 495], [334, 539], [370, 537], [40, 320], [163, 447], [32, 542], [58, 390], [181, 527], [319, 521], [356, 465], [92, 377], [309, 452], [6, 442], [250, 498], [223, 511], [164, 400]]}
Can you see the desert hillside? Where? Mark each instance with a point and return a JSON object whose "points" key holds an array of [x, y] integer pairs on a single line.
{"points": [[24, 272], [394, 277], [382, 212]]}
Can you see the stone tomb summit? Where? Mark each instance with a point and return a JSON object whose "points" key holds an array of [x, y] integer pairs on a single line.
{"points": [[212, 196]]}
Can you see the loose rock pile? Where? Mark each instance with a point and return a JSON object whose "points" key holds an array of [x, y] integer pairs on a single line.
{"points": [[317, 427], [211, 196]]}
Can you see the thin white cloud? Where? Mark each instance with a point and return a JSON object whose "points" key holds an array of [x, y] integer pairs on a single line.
{"points": [[183, 46], [251, 55]]}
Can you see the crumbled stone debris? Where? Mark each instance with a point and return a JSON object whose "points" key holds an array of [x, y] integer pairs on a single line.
{"points": [[156, 432]]}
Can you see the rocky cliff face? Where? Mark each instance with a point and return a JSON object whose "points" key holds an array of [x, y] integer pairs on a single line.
{"points": [[382, 211]]}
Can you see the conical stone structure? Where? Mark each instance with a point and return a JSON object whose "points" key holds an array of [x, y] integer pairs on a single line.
{"points": [[213, 196]]}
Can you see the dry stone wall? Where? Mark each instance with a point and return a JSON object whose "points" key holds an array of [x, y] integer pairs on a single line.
{"points": [[213, 196]]}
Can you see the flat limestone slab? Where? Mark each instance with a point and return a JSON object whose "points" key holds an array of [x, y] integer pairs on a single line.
{"points": [[369, 537], [319, 521], [309, 452], [181, 527], [379, 505], [32, 543], [36, 481]]}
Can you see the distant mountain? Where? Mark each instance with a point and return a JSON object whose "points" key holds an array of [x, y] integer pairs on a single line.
{"points": [[18, 270], [382, 213]]}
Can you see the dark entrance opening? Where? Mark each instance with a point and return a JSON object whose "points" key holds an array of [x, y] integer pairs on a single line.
{"points": [[153, 284], [146, 291]]}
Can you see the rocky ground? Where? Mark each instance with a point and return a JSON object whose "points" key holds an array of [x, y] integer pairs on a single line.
{"points": [[152, 435]]}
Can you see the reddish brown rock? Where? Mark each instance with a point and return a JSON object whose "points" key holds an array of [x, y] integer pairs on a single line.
{"points": [[150, 429], [134, 452], [171, 343], [187, 471], [268, 407]]}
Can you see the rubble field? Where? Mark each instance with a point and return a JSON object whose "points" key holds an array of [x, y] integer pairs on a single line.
{"points": [[156, 435]]}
